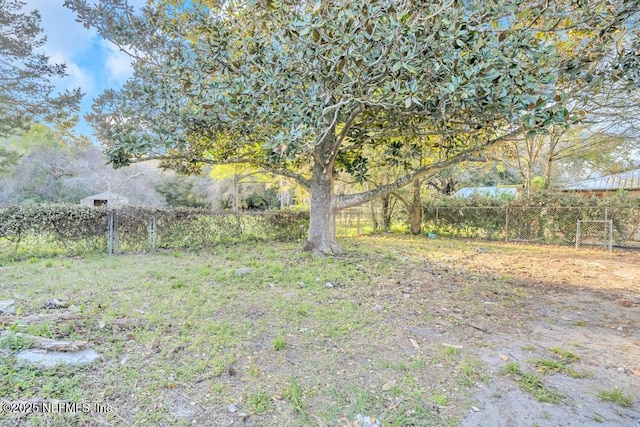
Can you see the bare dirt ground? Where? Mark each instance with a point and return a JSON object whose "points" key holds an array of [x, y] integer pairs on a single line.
{"points": [[584, 302]]}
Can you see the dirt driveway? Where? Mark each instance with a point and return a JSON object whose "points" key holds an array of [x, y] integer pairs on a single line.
{"points": [[571, 332]]}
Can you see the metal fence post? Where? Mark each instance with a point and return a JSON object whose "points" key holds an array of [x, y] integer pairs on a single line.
{"points": [[111, 234], [153, 233], [506, 223]]}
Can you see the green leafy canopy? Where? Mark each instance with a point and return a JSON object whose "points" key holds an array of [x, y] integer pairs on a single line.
{"points": [[266, 82]]}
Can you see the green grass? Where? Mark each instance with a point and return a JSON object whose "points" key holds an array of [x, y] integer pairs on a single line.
{"points": [[292, 393], [439, 399], [259, 402], [532, 384], [23, 382], [472, 372], [616, 396], [279, 343], [15, 342], [566, 355]]}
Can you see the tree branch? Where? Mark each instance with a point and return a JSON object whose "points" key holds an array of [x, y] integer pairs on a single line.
{"points": [[282, 172], [403, 200], [351, 200]]}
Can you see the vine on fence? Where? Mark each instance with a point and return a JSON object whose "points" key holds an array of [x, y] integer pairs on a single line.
{"points": [[76, 228], [545, 217]]}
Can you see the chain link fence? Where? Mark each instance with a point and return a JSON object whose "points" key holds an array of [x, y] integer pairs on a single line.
{"points": [[77, 230], [80, 230], [600, 226]]}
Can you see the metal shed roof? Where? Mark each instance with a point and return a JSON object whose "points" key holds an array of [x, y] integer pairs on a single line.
{"points": [[621, 181], [107, 195], [485, 192]]}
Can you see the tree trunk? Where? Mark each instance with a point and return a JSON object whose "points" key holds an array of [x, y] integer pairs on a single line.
{"points": [[321, 238], [386, 213], [416, 209], [374, 217]]}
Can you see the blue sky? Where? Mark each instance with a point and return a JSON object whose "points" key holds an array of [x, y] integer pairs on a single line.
{"points": [[93, 64]]}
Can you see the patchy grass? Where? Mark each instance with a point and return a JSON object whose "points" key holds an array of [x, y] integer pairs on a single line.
{"points": [[532, 384], [279, 343], [616, 396], [259, 402], [565, 355], [182, 335], [182, 330]]}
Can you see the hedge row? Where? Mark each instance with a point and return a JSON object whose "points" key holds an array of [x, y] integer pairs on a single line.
{"points": [[76, 229], [550, 218]]}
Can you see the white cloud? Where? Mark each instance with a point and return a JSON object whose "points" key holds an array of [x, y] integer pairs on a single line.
{"points": [[117, 63], [76, 76], [64, 34]]}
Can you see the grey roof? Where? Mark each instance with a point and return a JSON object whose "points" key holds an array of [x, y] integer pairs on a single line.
{"points": [[486, 192], [107, 195], [621, 181]]}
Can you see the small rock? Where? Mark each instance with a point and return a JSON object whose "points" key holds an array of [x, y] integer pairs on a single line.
{"points": [[7, 307], [414, 343], [232, 408], [475, 409], [301, 284], [243, 415], [456, 346], [328, 285], [55, 303], [620, 328], [366, 421], [49, 359], [622, 370], [304, 329], [504, 357], [244, 270]]}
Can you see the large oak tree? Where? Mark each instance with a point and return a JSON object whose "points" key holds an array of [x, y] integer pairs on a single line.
{"points": [[306, 88]]}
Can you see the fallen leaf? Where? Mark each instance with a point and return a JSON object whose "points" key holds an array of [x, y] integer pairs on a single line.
{"points": [[388, 385], [320, 422], [624, 302], [414, 343], [635, 371]]}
